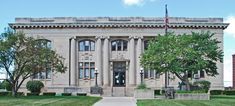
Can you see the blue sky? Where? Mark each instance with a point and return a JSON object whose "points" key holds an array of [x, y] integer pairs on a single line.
{"points": [[9, 9]]}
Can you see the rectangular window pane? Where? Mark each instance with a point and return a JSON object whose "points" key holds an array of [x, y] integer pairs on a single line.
{"points": [[92, 73], [113, 46], [92, 46], [86, 65], [92, 65], [119, 45], [157, 75], [151, 73], [81, 46], [86, 73], [189, 74], [146, 74], [124, 45], [43, 75], [48, 73], [202, 74], [81, 73], [80, 65]]}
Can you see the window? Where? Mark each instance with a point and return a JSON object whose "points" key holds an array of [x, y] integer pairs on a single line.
{"points": [[119, 45], [151, 74], [86, 45], [46, 73], [86, 70], [202, 74], [146, 43]]}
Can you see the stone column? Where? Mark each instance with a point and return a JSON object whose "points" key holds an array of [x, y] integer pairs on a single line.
{"points": [[73, 62], [98, 60], [132, 62], [138, 54], [106, 61]]}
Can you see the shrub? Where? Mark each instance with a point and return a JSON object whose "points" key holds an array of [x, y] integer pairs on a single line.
{"points": [[203, 85], [66, 94], [20, 94], [32, 94], [142, 86], [49, 94], [81, 94], [5, 93], [216, 92], [6, 85], [34, 86], [229, 92], [157, 92]]}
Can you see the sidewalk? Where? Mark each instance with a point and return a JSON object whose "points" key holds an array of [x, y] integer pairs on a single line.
{"points": [[116, 101]]}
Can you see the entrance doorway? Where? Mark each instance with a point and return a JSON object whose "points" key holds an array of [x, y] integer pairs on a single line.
{"points": [[119, 74]]}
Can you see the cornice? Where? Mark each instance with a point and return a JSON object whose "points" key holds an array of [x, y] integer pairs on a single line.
{"points": [[116, 25]]}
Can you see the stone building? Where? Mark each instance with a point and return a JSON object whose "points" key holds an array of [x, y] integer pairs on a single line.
{"points": [[113, 45]]}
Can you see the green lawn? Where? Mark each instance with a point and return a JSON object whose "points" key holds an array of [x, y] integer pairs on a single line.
{"points": [[49, 101], [215, 101]]}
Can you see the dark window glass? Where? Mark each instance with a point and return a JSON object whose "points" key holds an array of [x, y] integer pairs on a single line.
{"points": [[86, 45], [146, 44], [189, 74], [202, 74], [146, 74], [119, 45], [81, 46], [92, 73], [124, 45], [114, 46], [86, 65], [157, 75], [86, 73], [81, 73], [151, 73]]}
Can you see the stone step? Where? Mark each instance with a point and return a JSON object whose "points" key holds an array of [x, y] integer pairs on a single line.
{"points": [[119, 91]]}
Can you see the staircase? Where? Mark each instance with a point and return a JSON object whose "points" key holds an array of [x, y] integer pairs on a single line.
{"points": [[119, 92]]}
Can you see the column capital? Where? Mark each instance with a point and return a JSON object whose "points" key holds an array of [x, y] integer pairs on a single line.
{"points": [[135, 37]]}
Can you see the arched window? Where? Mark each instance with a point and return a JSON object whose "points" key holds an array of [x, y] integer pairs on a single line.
{"points": [[119, 45], [46, 73], [86, 45]]}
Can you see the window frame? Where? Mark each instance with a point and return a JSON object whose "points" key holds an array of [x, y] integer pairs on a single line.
{"points": [[84, 46], [118, 45]]}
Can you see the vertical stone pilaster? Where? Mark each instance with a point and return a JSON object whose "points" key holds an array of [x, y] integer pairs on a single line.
{"points": [[138, 54], [73, 62], [106, 61], [132, 62], [98, 63], [99, 60]]}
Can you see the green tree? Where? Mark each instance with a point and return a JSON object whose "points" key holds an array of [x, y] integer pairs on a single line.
{"points": [[22, 57], [181, 54]]}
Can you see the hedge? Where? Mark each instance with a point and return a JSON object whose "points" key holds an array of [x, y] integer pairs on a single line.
{"points": [[32, 94], [229, 92], [81, 94], [157, 92], [5, 93], [48, 93], [216, 92], [66, 94]]}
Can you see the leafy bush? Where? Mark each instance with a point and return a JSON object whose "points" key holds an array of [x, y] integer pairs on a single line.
{"points": [[32, 94], [5, 93], [6, 85], [20, 93], [81, 94], [49, 94], [229, 92], [66, 94], [142, 86], [34, 86], [216, 92], [194, 91], [157, 92], [203, 85]]}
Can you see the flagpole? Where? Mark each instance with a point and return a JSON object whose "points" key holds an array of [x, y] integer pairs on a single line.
{"points": [[166, 27]]}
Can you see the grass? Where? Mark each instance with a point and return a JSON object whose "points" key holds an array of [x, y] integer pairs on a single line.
{"points": [[48, 101], [219, 100]]}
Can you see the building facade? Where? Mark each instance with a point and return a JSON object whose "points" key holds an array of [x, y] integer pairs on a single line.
{"points": [[113, 45]]}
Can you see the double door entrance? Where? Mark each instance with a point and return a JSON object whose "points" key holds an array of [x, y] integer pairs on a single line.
{"points": [[119, 74]]}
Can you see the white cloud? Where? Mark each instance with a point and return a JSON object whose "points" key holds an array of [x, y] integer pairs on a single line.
{"points": [[136, 2], [231, 28]]}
